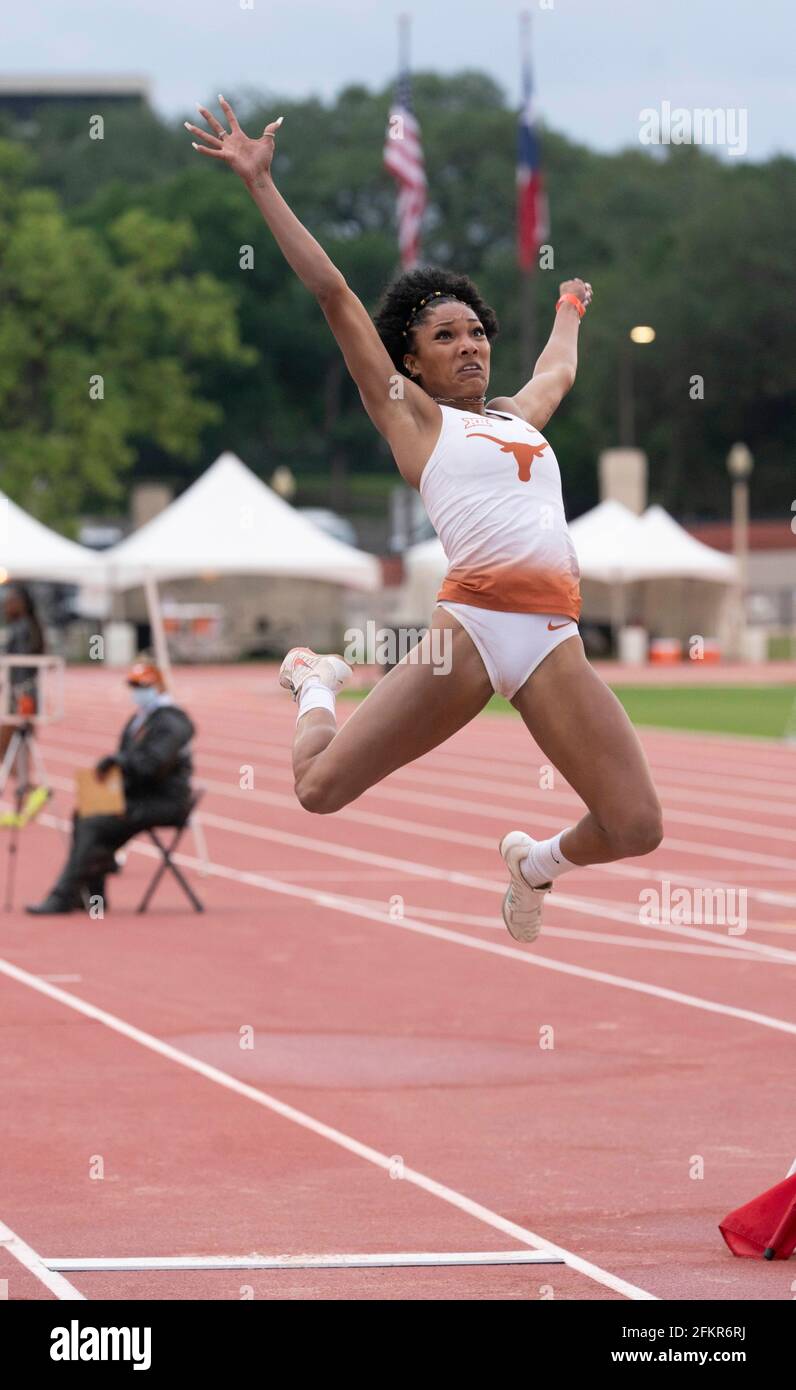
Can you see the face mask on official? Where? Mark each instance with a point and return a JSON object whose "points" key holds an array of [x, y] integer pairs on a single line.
{"points": [[145, 696]]}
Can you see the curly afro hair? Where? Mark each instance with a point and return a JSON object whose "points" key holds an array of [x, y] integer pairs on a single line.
{"points": [[404, 294]]}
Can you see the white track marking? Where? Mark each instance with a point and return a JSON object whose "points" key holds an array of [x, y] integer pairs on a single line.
{"points": [[324, 1131], [504, 815], [465, 780], [35, 1264], [400, 788], [563, 901], [530, 793], [350, 906], [339, 903], [390, 1260], [448, 836], [469, 919]]}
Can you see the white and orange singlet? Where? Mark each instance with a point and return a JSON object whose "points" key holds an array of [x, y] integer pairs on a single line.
{"points": [[492, 490]]}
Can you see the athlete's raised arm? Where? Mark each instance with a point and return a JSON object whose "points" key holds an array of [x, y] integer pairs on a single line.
{"points": [[554, 373], [394, 404]]}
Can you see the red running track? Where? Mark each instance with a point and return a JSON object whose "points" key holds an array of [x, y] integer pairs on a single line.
{"points": [[400, 1093]]}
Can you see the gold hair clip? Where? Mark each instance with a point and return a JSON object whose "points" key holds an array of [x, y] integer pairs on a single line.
{"points": [[419, 306]]}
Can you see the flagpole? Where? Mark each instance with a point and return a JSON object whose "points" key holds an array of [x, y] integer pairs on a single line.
{"points": [[528, 333], [404, 48], [527, 282], [404, 23], [404, 35]]}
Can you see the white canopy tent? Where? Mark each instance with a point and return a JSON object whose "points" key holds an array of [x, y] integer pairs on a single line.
{"points": [[425, 565], [601, 538], [660, 548], [229, 522], [30, 550], [650, 570]]}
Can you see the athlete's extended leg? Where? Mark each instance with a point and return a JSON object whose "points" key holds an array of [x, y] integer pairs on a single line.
{"points": [[419, 704], [582, 728]]}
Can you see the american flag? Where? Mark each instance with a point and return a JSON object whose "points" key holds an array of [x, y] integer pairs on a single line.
{"points": [[403, 156], [532, 217]]}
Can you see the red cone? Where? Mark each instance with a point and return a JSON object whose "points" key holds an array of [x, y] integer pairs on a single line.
{"points": [[766, 1225]]}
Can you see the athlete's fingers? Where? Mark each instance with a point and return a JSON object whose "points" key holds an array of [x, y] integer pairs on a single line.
{"points": [[205, 149], [212, 120], [229, 113], [212, 140]]}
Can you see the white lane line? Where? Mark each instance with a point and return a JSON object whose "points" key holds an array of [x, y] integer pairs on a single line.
{"points": [[391, 789], [566, 902], [265, 712], [35, 1264], [504, 815], [464, 777], [471, 919], [461, 775], [324, 1131], [349, 906]]}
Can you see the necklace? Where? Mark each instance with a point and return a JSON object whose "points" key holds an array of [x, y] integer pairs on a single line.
{"points": [[457, 399]]}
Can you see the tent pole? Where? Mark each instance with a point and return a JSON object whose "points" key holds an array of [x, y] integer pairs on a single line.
{"points": [[156, 624]]}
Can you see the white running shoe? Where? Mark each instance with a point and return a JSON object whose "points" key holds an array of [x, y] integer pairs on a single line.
{"points": [[522, 905], [301, 663]]}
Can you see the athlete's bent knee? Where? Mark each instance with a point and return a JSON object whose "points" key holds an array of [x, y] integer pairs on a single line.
{"points": [[317, 796], [641, 832]]}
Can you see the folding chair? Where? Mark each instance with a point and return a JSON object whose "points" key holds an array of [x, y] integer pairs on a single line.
{"points": [[167, 862]]}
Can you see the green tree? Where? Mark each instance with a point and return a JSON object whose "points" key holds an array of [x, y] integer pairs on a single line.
{"points": [[701, 247], [100, 340]]}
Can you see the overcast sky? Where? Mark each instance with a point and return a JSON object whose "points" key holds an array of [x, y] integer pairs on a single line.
{"points": [[598, 63]]}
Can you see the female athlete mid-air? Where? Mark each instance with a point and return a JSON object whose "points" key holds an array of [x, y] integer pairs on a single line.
{"points": [[509, 604]]}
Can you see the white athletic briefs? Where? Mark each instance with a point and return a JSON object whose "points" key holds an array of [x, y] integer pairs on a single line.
{"points": [[511, 645]]}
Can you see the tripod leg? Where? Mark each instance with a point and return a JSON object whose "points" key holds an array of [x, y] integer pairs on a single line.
{"points": [[9, 759], [13, 851], [13, 834]]}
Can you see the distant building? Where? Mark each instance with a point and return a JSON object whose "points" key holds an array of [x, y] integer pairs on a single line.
{"points": [[22, 95], [771, 599]]}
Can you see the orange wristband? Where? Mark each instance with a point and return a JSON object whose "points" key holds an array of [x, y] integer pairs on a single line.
{"points": [[572, 299]]}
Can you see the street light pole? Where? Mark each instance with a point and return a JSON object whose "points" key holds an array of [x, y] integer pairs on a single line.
{"points": [[626, 403], [642, 333], [739, 466]]}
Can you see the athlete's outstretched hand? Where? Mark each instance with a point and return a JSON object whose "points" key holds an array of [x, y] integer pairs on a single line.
{"points": [[249, 158], [581, 288]]}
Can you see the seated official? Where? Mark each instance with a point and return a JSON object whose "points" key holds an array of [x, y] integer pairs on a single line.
{"points": [[156, 767]]}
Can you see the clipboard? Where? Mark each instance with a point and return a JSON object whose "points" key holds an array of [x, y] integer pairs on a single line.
{"points": [[100, 798]]}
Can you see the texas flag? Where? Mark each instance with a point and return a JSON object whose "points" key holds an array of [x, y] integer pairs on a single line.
{"points": [[532, 217]]}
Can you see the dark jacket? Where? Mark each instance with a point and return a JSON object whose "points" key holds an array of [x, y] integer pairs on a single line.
{"points": [[155, 758], [24, 639]]}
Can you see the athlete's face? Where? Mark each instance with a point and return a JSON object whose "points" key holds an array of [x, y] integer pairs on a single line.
{"points": [[451, 353]]}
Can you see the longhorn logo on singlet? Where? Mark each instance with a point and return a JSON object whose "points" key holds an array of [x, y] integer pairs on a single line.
{"points": [[524, 454]]}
